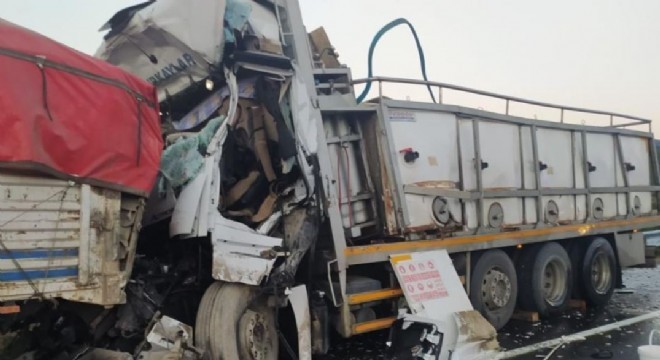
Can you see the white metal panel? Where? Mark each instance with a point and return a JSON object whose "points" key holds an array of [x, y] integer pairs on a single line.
{"points": [[566, 205], [184, 37], [508, 151], [300, 305], [530, 210], [239, 253], [500, 148], [609, 204], [420, 210], [600, 152], [433, 289], [471, 214], [512, 207], [581, 207], [433, 136], [636, 152], [646, 201], [554, 150], [621, 204]]}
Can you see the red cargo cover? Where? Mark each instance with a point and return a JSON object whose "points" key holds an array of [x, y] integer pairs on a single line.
{"points": [[75, 116]]}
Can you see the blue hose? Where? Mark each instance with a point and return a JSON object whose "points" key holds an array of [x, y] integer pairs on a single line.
{"points": [[372, 47]]}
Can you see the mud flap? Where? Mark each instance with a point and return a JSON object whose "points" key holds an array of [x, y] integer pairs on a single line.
{"points": [[300, 305]]}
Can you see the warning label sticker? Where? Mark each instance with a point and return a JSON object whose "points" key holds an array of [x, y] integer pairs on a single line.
{"points": [[430, 284], [401, 115], [421, 280]]}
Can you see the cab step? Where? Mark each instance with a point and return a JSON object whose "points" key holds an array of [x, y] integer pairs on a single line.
{"points": [[382, 294], [373, 325]]}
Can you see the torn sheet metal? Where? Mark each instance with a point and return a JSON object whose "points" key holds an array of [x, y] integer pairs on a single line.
{"points": [[300, 305], [212, 103], [166, 331], [240, 254], [264, 26], [159, 206], [169, 43], [198, 200], [434, 292], [170, 339], [477, 338], [187, 208], [104, 354], [303, 117]]}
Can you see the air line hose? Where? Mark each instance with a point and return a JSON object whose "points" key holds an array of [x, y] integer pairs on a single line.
{"points": [[372, 47]]}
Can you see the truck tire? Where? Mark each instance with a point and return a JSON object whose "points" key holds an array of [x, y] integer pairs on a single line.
{"points": [[545, 279], [597, 272], [202, 322], [494, 287], [242, 326]]}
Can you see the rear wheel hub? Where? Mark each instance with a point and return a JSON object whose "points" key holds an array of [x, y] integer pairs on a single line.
{"points": [[496, 289], [256, 335]]}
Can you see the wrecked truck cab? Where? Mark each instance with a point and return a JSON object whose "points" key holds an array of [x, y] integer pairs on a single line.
{"points": [[236, 176]]}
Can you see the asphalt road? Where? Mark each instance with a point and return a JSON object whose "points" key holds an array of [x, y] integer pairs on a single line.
{"points": [[641, 296]]}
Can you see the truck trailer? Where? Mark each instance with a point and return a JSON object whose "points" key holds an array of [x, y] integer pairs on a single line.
{"points": [[282, 195]]}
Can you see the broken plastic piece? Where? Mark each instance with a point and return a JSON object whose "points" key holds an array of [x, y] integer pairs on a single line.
{"points": [[170, 339]]}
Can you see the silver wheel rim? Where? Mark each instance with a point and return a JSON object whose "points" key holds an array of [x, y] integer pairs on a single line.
{"points": [[495, 289], [554, 282], [256, 335], [601, 274]]}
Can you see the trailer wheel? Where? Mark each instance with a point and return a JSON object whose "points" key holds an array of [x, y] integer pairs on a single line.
{"points": [[545, 279], [494, 287], [242, 326], [597, 272], [202, 323]]}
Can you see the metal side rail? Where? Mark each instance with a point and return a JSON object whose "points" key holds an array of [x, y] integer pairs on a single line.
{"points": [[508, 99]]}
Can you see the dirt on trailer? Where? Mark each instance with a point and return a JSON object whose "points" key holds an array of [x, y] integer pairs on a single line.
{"points": [[640, 296]]}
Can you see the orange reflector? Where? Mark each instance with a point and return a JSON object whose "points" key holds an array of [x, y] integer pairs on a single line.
{"points": [[9, 309], [398, 258]]}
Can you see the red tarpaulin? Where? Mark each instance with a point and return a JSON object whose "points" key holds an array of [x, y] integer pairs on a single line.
{"points": [[75, 116]]}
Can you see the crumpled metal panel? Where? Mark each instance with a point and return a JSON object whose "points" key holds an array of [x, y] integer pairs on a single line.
{"points": [[168, 43], [240, 254]]}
